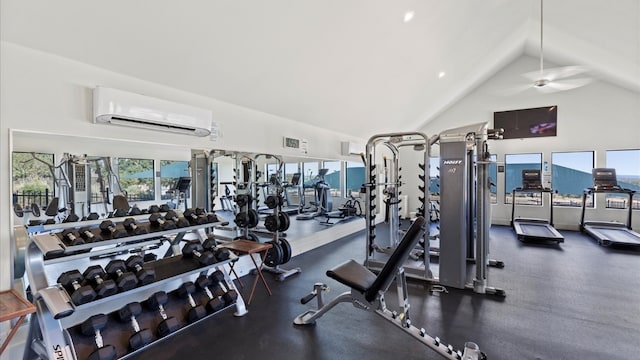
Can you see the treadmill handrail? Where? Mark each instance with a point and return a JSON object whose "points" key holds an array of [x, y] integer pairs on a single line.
{"points": [[591, 190]]}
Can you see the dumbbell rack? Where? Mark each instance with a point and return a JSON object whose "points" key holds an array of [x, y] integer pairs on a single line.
{"points": [[53, 331]]}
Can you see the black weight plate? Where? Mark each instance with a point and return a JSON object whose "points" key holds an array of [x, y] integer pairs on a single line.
{"points": [[272, 223], [286, 250], [253, 219], [18, 210], [285, 221], [241, 219], [274, 255], [35, 210], [253, 237], [271, 201]]}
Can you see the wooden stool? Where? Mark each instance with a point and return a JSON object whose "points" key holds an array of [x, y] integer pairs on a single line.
{"points": [[12, 305], [248, 247]]}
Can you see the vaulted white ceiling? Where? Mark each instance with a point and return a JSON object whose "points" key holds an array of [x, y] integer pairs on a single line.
{"points": [[337, 64]]}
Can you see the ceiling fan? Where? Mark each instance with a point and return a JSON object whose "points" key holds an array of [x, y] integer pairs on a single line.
{"points": [[554, 79]]}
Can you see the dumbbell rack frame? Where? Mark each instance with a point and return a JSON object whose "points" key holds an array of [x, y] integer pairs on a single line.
{"points": [[56, 316]]}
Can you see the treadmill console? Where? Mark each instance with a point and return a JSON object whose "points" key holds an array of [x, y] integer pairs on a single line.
{"points": [[531, 179], [604, 179]]}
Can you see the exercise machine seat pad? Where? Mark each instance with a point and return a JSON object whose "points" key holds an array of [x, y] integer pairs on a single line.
{"points": [[353, 274]]}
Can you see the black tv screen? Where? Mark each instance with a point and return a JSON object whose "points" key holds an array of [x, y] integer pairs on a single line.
{"points": [[527, 123]]}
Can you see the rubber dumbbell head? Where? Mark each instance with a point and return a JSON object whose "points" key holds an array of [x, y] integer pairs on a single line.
{"points": [[103, 287], [135, 211], [72, 238], [108, 227], [168, 324], [131, 225], [194, 218], [145, 276], [153, 209], [120, 213], [71, 218], [193, 249], [196, 311], [215, 303], [80, 294], [93, 216], [124, 279], [220, 253], [92, 327], [157, 221], [140, 337], [222, 289]]}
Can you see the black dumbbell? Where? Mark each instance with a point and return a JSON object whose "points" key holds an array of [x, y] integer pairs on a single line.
{"points": [[168, 324], [222, 289], [154, 209], [88, 235], [182, 222], [220, 253], [135, 211], [194, 218], [80, 294], [140, 337], [212, 217], [196, 311], [71, 218], [195, 250], [120, 213], [71, 238], [124, 279], [214, 303], [164, 208], [93, 216], [132, 226], [157, 221], [145, 276], [92, 327], [103, 287], [108, 227]]}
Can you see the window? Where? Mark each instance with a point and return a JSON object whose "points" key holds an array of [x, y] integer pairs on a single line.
{"points": [[289, 170], [310, 171], [170, 172], [434, 176], [136, 178], [354, 178], [570, 175], [32, 179], [514, 164], [272, 169], [333, 176], [627, 165]]}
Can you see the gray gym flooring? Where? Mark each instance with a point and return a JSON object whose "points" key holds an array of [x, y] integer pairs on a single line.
{"points": [[574, 301]]}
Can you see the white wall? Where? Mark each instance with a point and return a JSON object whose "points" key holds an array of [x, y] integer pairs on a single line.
{"points": [[52, 96], [600, 116]]}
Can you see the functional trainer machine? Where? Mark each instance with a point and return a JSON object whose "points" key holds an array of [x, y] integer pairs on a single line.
{"points": [[534, 229], [464, 207], [368, 292], [609, 233]]}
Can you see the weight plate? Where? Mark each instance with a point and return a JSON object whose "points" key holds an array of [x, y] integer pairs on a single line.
{"points": [[286, 250], [271, 201], [253, 237], [274, 255], [242, 219], [285, 221], [18, 210], [272, 223], [253, 219], [35, 210]]}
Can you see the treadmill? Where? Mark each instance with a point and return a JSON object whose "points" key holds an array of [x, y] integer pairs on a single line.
{"points": [[534, 229], [609, 233]]}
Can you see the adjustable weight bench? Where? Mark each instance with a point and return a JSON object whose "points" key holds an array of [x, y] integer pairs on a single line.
{"points": [[368, 290]]}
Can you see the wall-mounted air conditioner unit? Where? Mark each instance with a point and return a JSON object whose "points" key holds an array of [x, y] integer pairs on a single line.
{"points": [[117, 107], [350, 148]]}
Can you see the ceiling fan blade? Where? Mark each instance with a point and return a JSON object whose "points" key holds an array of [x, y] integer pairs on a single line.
{"points": [[569, 84], [556, 73]]}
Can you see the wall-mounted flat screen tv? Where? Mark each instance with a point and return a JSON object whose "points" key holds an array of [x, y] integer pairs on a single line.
{"points": [[527, 123]]}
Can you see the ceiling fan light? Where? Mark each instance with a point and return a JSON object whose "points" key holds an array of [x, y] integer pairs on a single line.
{"points": [[541, 83]]}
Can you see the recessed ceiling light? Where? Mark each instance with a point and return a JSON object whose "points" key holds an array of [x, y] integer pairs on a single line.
{"points": [[408, 16], [441, 74]]}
